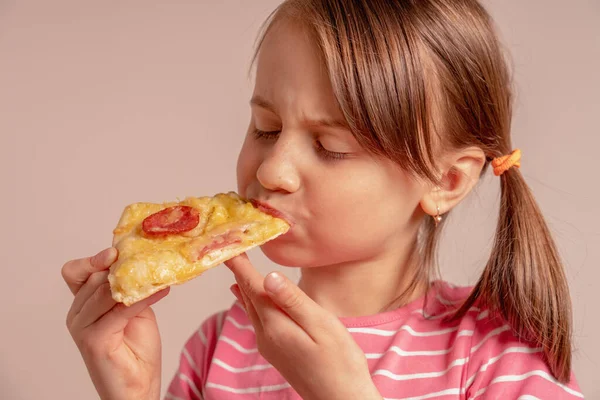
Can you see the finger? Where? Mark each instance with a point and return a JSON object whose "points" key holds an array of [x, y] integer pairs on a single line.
{"points": [[235, 289], [251, 312], [294, 302], [248, 278], [95, 307], [83, 295], [77, 272], [119, 316]]}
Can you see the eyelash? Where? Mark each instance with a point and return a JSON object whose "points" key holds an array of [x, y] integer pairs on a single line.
{"points": [[323, 152]]}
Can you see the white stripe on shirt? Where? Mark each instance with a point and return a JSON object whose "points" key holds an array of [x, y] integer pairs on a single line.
{"points": [[258, 389], [517, 378]]}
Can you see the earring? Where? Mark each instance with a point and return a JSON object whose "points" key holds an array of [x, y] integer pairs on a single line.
{"points": [[438, 218]]}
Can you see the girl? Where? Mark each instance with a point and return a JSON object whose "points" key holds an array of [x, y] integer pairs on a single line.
{"points": [[371, 120]]}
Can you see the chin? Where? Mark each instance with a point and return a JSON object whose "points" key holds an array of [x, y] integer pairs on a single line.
{"points": [[285, 254]]}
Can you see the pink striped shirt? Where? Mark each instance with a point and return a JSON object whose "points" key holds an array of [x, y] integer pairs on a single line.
{"points": [[412, 354]]}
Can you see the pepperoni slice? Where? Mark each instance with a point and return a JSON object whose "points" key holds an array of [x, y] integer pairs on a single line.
{"points": [[171, 221]]}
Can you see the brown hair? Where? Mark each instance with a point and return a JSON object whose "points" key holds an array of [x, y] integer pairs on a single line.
{"points": [[411, 76]]}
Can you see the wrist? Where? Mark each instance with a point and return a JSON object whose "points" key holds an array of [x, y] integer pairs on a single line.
{"points": [[155, 391]]}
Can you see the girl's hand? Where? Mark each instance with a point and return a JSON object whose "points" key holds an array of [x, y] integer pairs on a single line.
{"points": [[309, 346], [120, 345]]}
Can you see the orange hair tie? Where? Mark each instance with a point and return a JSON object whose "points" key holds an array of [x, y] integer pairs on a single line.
{"points": [[504, 163]]}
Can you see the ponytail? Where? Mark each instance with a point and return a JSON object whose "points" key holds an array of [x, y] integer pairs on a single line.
{"points": [[524, 279]]}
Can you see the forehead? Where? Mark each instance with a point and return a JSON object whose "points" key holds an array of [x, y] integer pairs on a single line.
{"points": [[290, 69]]}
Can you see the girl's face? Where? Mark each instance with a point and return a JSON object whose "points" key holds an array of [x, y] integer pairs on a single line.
{"points": [[298, 157]]}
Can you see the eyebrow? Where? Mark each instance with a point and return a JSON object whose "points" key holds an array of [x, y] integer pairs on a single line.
{"points": [[319, 122]]}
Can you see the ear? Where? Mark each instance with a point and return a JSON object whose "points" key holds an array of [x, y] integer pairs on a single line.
{"points": [[460, 171]]}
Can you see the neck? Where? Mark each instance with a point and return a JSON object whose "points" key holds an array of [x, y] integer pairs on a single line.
{"points": [[367, 287]]}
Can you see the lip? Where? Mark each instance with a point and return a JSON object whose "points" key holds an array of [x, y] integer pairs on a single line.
{"points": [[272, 211]]}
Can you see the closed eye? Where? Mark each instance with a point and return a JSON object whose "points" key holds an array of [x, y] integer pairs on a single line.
{"points": [[327, 154], [321, 151], [265, 134]]}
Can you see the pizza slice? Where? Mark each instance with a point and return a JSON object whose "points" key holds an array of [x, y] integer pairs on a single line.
{"points": [[166, 244]]}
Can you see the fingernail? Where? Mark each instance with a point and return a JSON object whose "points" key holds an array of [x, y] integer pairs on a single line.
{"points": [[104, 258], [109, 256], [274, 282]]}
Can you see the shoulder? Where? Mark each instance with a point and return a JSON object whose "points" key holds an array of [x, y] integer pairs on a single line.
{"points": [[501, 364]]}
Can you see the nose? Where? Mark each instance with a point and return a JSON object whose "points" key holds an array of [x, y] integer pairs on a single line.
{"points": [[278, 171]]}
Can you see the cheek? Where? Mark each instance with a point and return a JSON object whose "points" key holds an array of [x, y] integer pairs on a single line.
{"points": [[353, 197], [352, 215], [363, 212]]}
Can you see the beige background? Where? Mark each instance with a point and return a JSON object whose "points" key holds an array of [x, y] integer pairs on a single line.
{"points": [[103, 103]]}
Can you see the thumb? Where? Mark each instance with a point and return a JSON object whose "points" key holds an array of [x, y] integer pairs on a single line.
{"points": [[292, 300]]}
